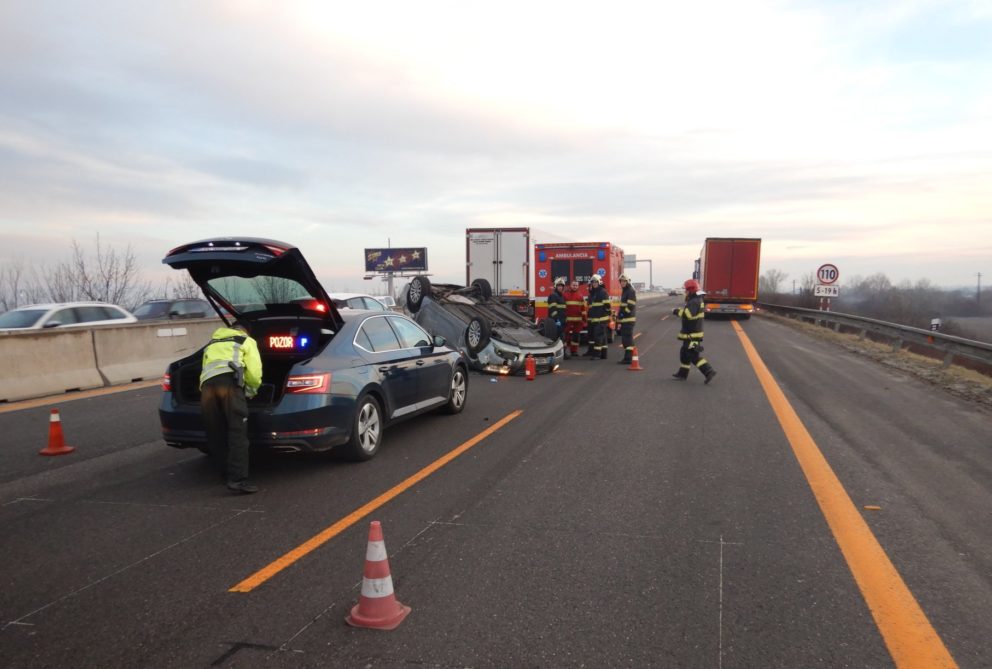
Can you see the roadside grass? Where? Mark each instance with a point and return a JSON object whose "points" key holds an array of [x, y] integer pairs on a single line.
{"points": [[961, 382]]}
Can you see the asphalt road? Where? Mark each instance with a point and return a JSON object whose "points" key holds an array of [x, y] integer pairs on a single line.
{"points": [[619, 519]]}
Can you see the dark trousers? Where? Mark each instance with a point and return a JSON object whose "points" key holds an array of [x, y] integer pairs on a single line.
{"points": [[627, 339], [692, 356], [597, 338], [225, 415]]}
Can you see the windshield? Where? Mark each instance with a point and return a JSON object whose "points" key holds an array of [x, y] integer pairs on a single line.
{"points": [[23, 318], [151, 309], [260, 293]]}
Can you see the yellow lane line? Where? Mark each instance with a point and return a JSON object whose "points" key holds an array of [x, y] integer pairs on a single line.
{"points": [[318, 540], [908, 634], [79, 395]]}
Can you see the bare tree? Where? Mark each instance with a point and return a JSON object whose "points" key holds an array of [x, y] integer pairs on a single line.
{"points": [[769, 282], [186, 288]]}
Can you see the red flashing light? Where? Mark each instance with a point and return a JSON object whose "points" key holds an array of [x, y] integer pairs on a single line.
{"points": [[308, 383]]}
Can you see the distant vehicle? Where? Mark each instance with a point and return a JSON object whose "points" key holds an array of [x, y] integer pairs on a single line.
{"points": [[64, 315], [331, 378], [356, 301], [173, 309], [674, 292], [727, 271], [389, 301], [492, 336]]}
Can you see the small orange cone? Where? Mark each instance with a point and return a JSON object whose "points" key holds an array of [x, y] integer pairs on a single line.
{"points": [[530, 367], [377, 608], [56, 444], [635, 363]]}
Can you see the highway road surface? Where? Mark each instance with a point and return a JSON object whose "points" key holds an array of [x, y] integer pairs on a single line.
{"points": [[806, 509]]}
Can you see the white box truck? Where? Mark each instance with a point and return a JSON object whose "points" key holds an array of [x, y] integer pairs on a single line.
{"points": [[501, 256]]}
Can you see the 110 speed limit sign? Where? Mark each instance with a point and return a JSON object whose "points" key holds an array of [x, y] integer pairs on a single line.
{"points": [[827, 274]]}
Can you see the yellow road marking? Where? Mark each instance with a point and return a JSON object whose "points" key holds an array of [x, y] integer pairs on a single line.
{"points": [[80, 395], [318, 540], [908, 634]]}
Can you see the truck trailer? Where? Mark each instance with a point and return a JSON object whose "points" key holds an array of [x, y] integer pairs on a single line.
{"points": [[501, 256], [727, 270]]}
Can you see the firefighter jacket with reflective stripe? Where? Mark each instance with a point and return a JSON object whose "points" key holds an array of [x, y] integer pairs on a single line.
{"points": [[692, 318], [556, 307], [575, 306], [232, 351], [599, 305], [628, 305]]}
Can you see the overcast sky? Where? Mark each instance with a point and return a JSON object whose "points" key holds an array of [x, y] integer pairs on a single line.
{"points": [[853, 132]]}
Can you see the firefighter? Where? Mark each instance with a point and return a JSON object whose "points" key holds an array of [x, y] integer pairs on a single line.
{"points": [[232, 373], [626, 318], [575, 318], [557, 307], [599, 318], [691, 334]]}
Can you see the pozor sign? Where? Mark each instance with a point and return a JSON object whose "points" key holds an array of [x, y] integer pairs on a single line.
{"points": [[827, 274]]}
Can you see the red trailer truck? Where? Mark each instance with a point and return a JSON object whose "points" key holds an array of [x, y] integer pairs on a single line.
{"points": [[727, 271]]}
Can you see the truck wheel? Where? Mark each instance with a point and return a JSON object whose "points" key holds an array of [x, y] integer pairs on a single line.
{"points": [[477, 335], [420, 286], [485, 289], [548, 328]]}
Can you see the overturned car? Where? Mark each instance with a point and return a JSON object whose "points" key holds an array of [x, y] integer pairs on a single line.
{"points": [[493, 337]]}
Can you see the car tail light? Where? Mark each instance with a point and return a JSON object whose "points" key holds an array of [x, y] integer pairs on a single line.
{"points": [[167, 383], [308, 383]]}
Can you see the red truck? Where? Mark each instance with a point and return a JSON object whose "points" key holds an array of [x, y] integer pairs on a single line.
{"points": [[727, 271]]}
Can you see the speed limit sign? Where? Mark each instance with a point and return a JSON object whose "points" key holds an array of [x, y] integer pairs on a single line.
{"points": [[827, 274]]}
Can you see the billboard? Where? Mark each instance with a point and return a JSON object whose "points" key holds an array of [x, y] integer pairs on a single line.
{"points": [[396, 260]]}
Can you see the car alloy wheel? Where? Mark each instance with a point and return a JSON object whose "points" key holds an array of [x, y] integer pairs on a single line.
{"points": [[459, 391], [369, 427]]}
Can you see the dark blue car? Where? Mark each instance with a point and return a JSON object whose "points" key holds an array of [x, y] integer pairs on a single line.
{"points": [[329, 378]]}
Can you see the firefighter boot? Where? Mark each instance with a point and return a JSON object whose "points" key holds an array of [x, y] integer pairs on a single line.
{"points": [[682, 374], [590, 353], [604, 352], [628, 357]]}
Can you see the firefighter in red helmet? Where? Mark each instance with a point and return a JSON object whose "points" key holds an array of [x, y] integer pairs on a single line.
{"points": [[691, 334]]}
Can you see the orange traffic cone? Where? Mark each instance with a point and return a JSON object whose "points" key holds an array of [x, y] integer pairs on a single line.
{"points": [[530, 367], [635, 363], [377, 608], [56, 444]]}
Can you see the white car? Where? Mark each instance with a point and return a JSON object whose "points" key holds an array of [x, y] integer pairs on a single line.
{"points": [[65, 314], [356, 301]]}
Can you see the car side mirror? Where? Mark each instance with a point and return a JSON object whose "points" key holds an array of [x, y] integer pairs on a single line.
{"points": [[440, 341]]}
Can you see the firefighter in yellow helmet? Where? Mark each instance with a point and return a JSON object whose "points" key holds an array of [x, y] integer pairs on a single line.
{"points": [[626, 317], [232, 373]]}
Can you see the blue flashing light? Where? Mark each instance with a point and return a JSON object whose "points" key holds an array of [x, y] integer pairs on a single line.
{"points": [[601, 254], [304, 341], [542, 256]]}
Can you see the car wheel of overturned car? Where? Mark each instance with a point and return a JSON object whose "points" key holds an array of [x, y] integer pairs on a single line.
{"points": [[420, 287], [366, 430], [458, 393], [548, 328], [477, 335], [484, 287]]}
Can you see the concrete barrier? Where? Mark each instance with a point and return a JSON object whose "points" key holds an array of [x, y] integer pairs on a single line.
{"points": [[46, 363], [144, 351], [50, 362]]}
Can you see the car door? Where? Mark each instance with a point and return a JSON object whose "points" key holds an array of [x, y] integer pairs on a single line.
{"points": [[395, 365], [434, 372]]}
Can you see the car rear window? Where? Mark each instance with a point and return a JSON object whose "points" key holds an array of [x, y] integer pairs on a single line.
{"points": [[380, 335], [260, 292], [24, 318], [410, 334]]}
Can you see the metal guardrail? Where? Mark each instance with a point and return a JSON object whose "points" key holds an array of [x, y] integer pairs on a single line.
{"points": [[899, 335]]}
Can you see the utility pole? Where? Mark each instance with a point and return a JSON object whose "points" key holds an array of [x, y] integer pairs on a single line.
{"points": [[978, 293]]}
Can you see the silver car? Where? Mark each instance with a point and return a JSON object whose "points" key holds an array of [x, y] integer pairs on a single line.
{"points": [[493, 337]]}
